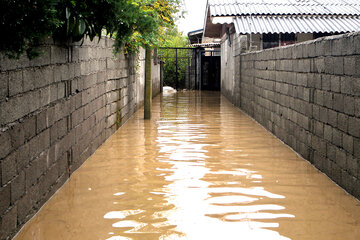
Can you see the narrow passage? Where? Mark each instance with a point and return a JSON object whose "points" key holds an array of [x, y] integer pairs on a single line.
{"points": [[200, 169]]}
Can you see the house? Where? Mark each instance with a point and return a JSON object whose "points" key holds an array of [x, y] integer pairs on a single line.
{"points": [[273, 23], [204, 70]]}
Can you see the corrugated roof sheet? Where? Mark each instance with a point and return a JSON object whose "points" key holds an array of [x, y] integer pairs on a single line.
{"points": [[283, 7], [296, 24]]}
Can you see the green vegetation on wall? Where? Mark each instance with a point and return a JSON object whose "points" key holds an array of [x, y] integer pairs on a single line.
{"points": [[133, 23]]}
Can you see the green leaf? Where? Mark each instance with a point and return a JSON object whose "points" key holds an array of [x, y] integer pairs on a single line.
{"points": [[67, 13], [82, 27]]}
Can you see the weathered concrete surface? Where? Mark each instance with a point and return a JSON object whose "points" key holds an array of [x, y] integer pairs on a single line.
{"points": [[200, 169], [55, 111], [308, 95]]}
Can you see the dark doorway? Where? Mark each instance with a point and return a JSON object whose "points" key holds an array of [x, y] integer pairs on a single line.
{"points": [[210, 73]]}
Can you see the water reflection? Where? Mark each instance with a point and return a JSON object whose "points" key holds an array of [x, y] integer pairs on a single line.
{"points": [[200, 169]]}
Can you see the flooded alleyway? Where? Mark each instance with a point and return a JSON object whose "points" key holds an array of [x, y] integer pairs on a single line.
{"points": [[200, 169]]}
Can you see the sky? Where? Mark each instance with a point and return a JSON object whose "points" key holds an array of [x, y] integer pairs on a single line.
{"points": [[194, 16]]}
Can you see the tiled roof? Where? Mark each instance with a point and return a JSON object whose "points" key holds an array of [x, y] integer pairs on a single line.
{"points": [[283, 7], [280, 16], [296, 24]]}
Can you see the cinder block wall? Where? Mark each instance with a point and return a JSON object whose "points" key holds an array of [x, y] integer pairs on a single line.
{"points": [[308, 95], [55, 111]]}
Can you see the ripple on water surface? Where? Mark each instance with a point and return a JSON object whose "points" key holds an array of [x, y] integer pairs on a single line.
{"points": [[200, 169]]}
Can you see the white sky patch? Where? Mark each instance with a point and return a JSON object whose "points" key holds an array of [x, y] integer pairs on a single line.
{"points": [[194, 16]]}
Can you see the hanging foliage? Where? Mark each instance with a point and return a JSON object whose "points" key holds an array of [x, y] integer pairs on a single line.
{"points": [[133, 23]]}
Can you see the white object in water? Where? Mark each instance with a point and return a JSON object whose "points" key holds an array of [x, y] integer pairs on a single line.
{"points": [[168, 90]]}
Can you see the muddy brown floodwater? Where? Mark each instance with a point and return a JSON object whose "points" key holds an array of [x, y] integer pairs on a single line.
{"points": [[200, 169]]}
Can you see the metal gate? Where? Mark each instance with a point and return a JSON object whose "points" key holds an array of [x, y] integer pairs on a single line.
{"points": [[177, 61], [191, 68]]}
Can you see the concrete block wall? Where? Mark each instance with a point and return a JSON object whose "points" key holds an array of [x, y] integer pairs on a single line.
{"points": [[308, 95], [230, 66], [55, 111]]}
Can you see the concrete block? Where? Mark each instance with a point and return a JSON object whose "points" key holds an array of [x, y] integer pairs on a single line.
{"points": [[302, 79], [5, 199], [4, 85], [306, 94], [326, 82], [51, 115], [323, 114], [37, 78], [316, 111], [319, 48], [337, 137], [24, 206], [41, 121], [357, 148], [8, 223], [23, 157], [59, 54], [53, 92], [349, 183], [353, 166], [328, 132], [357, 107], [332, 117], [43, 59], [44, 96], [29, 127], [338, 102], [71, 69], [328, 99], [305, 65], [329, 65], [351, 64], [17, 186], [338, 65], [356, 42], [319, 161], [61, 90], [311, 50], [5, 146], [331, 151], [335, 84], [319, 129], [318, 145], [17, 135], [343, 121], [34, 171], [327, 47], [47, 180], [62, 109], [39, 143], [15, 82], [346, 85], [349, 105], [348, 45], [354, 126], [340, 158], [337, 47], [348, 143]]}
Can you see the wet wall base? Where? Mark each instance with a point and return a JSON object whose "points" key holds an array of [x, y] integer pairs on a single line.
{"points": [[55, 111], [308, 95]]}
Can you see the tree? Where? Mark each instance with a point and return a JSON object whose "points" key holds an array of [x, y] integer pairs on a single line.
{"points": [[174, 38], [133, 23]]}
